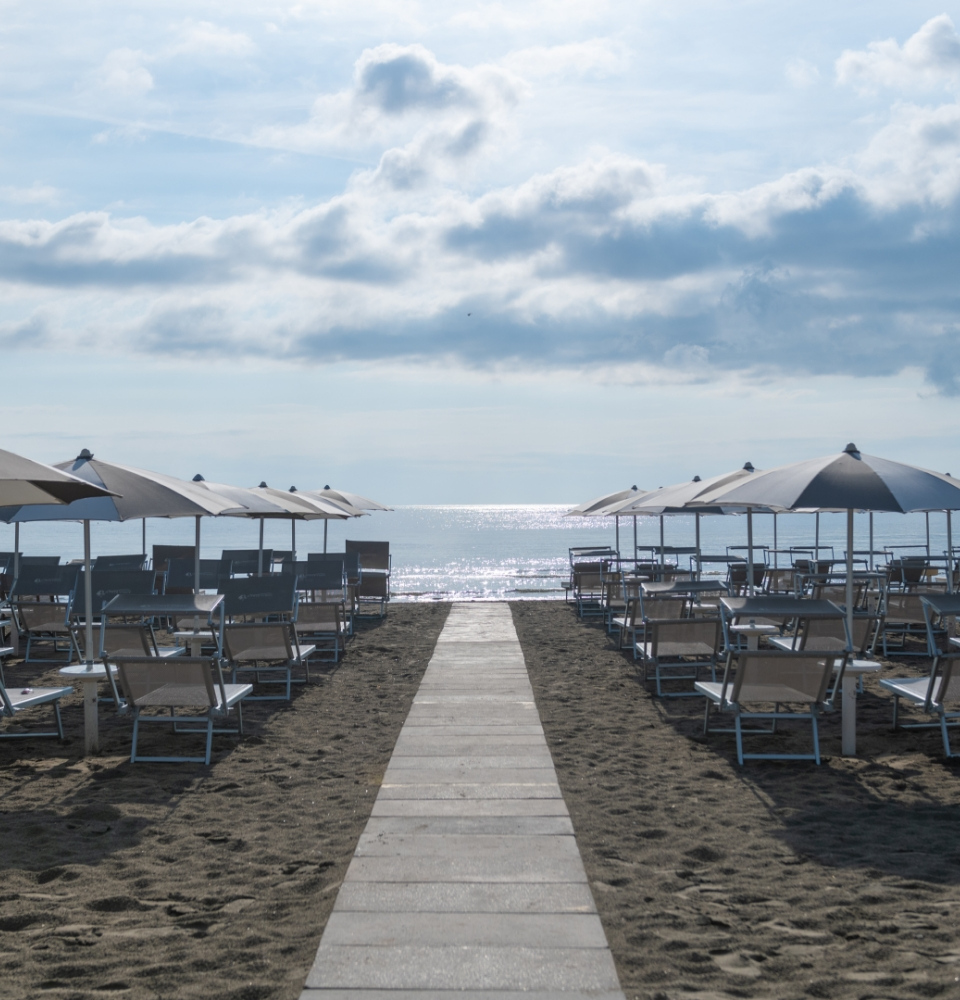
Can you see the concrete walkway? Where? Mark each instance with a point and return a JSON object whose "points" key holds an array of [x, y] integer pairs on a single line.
{"points": [[467, 879]]}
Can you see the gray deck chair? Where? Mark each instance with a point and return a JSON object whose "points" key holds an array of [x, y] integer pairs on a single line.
{"points": [[41, 601], [737, 577], [903, 616], [678, 650], [246, 562], [156, 689], [770, 681], [180, 573], [780, 581], [940, 689], [20, 700], [373, 590], [120, 562], [324, 624], [162, 554], [260, 637]]}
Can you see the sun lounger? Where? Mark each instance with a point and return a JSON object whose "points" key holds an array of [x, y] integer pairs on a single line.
{"points": [[677, 650], [156, 689], [17, 700], [940, 689], [119, 562], [324, 624], [41, 601], [758, 684], [376, 565]]}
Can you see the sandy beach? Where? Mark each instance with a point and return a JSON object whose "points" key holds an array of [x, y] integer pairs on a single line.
{"points": [[176, 880], [778, 880]]}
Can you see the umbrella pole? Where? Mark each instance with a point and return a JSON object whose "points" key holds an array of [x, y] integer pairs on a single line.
{"points": [[816, 537], [776, 554], [949, 553], [325, 523], [849, 595], [617, 521], [634, 536], [293, 539], [870, 557], [87, 596], [662, 558], [196, 560], [926, 515], [143, 536], [16, 550], [696, 518], [750, 552], [260, 553]]}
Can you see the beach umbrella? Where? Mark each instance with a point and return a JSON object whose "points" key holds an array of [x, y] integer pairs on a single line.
{"points": [[23, 481], [341, 496], [133, 494], [689, 498], [597, 507], [848, 482]]}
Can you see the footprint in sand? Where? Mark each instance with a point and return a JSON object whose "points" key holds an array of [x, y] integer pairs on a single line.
{"points": [[736, 964]]}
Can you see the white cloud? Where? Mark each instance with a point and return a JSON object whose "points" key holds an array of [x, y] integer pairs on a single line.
{"points": [[928, 58], [122, 74], [801, 73], [206, 38], [35, 194], [597, 57]]}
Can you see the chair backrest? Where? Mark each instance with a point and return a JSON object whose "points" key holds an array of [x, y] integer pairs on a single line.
{"points": [[162, 554], [107, 584], [318, 575], [780, 581], [53, 580], [171, 682], [907, 570], [699, 637], [763, 676], [321, 615], [830, 633], [123, 639], [373, 555], [264, 641], [180, 574], [259, 596], [662, 608], [737, 574], [247, 561], [39, 560], [906, 608], [136, 561], [281, 555], [350, 560]]}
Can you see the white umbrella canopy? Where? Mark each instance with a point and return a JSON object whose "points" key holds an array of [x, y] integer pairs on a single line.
{"points": [[136, 493], [847, 482], [353, 499], [23, 481], [688, 498], [598, 504]]}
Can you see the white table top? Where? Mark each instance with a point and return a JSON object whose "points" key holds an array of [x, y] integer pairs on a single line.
{"points": [[754, 628], [95, 672]]}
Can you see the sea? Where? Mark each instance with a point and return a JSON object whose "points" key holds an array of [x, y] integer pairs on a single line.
{"points": [[492, 551]]}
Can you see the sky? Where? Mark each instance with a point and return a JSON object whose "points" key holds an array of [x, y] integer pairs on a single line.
{"points": [[479, 252]]}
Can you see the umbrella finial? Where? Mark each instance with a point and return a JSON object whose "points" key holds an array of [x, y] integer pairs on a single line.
{"points": [[327, 486], [852, 449], [198, 478], [293, 489], [85, 455], [634, 487], [696, 479], [263, 485], [748, 466]]}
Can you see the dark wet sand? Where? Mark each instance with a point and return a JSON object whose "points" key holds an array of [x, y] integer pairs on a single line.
{"points": [[775, 880], [177, 880]]}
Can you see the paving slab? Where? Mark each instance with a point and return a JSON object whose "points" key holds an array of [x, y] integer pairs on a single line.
{"points": [[467, 881]]}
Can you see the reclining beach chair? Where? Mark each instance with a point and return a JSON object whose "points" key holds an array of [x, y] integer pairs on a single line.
{"points": [[247, 562], [156, 689], [41, 601], [352, 576], [120, 562], [17, 700], [677, 650], [261, 637], [904, 619], [376, 566], [780, 581], [940, 689], [179, 575], [758, 684], [106, 585]]}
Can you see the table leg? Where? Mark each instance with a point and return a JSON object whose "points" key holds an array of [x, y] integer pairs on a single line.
{"points": [[753, 642], [196, 647], [848, 715], [91, 718]]}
